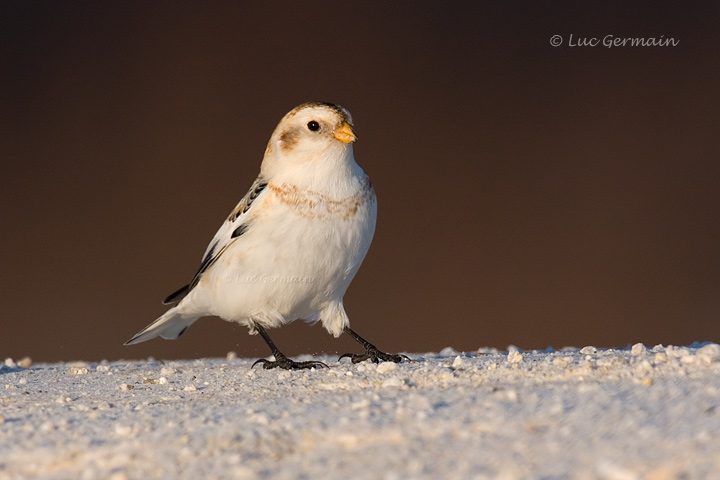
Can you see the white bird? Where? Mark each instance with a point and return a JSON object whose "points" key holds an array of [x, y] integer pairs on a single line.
{"points": [[293, 244]]}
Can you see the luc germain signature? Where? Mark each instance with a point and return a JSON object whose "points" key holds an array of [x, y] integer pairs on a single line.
{"points": [[611, 41]]}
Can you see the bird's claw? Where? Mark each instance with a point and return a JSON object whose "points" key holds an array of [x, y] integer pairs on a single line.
{"points": [[287, 364], [374, 355]]}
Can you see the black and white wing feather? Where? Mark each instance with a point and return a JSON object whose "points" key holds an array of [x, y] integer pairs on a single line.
{"points": [[235, 225]]}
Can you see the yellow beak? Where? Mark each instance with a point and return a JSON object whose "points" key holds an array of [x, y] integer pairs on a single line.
{"points": [[345, 133]]}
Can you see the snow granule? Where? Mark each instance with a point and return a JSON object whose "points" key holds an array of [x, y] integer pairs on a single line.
{"points": [[386, 367], [644, 367], [10, 363], [562, 361], [458, 362], [448, 352], [487, 350], [613, 471], [25, 362], [166, 371], [676, 352], [589, 350], [638, 349], [369, 366], [514, 356], [78, 370], [102, 368], [688, 359], [709, 353], [392, 382], [507, 395], [123, 430], [660, 357]]}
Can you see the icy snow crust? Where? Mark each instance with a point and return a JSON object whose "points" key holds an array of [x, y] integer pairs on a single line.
{"points": [[615, 414]]}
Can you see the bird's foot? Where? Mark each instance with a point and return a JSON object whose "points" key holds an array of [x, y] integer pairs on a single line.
{"points": [[374, 355], [287, 364]]}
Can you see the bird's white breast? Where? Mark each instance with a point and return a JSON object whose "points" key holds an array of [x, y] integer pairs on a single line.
{"points": [[298, 256]]}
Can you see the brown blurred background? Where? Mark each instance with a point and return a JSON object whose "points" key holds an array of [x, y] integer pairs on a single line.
{"points": [[528, 194]]}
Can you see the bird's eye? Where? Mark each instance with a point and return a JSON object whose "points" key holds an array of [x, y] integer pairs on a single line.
{"points": [[313, 126]]}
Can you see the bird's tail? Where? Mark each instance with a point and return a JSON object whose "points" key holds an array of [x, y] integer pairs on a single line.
{"points": [[169, 326]]}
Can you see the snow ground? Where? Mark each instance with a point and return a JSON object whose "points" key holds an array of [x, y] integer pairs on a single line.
{"points": [[608, 414]]}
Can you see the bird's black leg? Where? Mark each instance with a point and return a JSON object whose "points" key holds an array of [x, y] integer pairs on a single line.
{"points": [[280, 359], [371, 351]]}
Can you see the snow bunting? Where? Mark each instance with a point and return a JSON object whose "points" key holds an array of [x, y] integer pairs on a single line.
{"points": [[293, 244]]}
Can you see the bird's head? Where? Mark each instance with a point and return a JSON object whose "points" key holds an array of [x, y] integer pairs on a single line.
{"points": [[314, 135]]}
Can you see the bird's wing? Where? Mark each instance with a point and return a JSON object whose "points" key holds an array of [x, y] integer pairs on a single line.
{"points": [[234, 226]]}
